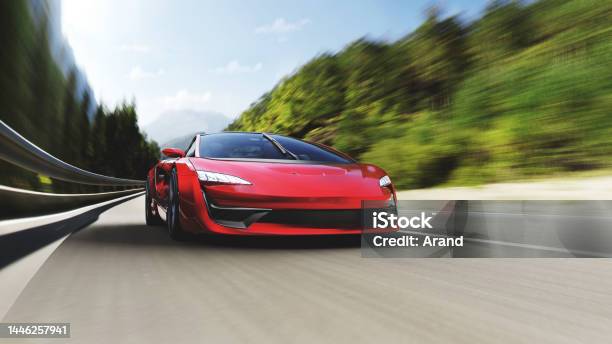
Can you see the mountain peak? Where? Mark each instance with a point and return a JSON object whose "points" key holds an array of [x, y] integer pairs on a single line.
{"points": [[175, 124]]}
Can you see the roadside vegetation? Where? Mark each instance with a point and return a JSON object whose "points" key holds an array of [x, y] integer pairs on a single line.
{"points": [[523, 91], [44, 105]]}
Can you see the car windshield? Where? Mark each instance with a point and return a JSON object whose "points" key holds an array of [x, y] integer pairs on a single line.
{"points": [[257, 146]]}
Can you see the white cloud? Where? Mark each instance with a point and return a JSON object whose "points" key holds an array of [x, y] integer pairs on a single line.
{"points": [[137, 73], [184, 99], [281, 26], [135, 48], [234, 67]]}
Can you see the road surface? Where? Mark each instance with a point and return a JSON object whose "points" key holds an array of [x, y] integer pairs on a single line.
{"points": [[118, 280], [578, 188]]}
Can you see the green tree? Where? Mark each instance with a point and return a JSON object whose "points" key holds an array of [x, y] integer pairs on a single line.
{"points": [[522, 91], [505, 28]]}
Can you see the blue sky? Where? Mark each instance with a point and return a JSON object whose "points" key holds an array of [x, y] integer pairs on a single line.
{"points": [[220, 55]]}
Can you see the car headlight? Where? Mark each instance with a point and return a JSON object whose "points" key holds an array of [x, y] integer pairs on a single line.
{"points": [[384, 181], [220, 178]]}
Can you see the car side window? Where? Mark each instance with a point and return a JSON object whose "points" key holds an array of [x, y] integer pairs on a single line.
{"points": [[191, 149]]}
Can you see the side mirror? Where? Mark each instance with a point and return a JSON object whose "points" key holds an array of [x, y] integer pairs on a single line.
{"points": [[173, 152]]}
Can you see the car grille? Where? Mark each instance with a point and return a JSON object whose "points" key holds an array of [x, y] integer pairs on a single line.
{"points": [[339, 219], [238, 217]]}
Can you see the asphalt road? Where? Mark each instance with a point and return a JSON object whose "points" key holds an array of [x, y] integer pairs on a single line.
{"points": [[119, 281]]}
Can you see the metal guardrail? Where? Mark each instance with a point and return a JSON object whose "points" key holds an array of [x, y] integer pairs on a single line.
{"points": [[18, 150], [18, 203]]}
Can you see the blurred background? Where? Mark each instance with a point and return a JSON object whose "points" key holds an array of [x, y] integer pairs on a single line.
{"points": [[438, 94], [522, 90], [47, 99]]}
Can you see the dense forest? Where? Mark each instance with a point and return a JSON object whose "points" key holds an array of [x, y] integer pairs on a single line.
{"points": [[524, 90], [41, 103]]}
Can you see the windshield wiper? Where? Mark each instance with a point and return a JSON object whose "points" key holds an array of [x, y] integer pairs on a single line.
{"points": [[280, 147]]}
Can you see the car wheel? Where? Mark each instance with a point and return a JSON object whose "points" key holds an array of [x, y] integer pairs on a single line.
{"points": [[151, 216], [172, 214]]}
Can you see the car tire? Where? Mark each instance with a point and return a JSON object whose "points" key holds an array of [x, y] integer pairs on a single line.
{"points": [[151, 216], [173, 212]]}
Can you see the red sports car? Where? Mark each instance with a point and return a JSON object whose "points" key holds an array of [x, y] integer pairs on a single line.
{"points": [[261, 184]]}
